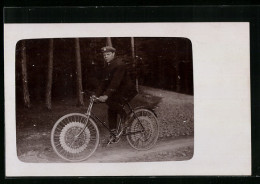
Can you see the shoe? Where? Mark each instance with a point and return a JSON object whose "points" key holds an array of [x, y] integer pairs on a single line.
{"points": [[112, 137], [113, 140]]}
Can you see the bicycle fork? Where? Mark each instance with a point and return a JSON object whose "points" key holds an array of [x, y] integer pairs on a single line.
{"points": [[86, 122]]}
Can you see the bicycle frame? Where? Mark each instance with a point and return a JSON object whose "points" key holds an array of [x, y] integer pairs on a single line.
{"points": [[89, 114], [68, 143]]}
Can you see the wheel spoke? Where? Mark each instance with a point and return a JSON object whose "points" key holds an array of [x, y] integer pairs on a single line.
{"points": [[146, 139], [64, 143]]}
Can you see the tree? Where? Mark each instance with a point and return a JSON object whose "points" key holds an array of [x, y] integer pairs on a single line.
{"points": [[79, 73], [26, 95], [109, 41], [134, 61], [178, 82], [49, 76]]}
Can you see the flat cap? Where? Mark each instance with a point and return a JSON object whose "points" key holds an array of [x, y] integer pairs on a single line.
{"points": [[108, 49]]}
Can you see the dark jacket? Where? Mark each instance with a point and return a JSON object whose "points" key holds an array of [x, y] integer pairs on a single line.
{"points": [[116, 81]]}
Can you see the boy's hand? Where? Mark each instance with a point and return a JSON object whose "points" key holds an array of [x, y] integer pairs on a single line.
{"points": [[103, 98]]}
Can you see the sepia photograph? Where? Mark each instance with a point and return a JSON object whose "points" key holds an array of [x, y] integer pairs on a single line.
{"points": [[127, 99], [104, 99]]}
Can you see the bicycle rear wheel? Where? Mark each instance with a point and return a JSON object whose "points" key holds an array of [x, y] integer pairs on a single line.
{"points": [[67, 141], [143, 140]]}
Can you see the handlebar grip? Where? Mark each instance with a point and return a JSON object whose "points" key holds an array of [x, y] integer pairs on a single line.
{"points": [[94, 97]]}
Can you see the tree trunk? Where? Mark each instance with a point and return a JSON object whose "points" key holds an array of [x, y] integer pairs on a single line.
{"points": [[109, 41], [49, 76], [178, 68], [161, 73], [178, 85], [134, 63], [26, 95], [79, 73]]}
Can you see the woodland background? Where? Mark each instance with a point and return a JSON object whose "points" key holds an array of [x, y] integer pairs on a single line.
{"points": [[53, 69]]}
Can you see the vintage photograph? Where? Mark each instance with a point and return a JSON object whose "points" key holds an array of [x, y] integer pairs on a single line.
{"points": [[127, 99], [104, 99]]}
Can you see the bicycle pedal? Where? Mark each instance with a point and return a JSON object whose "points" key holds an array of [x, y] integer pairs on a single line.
{"points": [[113, 140], [109, 143]]}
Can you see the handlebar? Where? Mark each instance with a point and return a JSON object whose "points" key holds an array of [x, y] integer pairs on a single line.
{"points": [[94, 98]]}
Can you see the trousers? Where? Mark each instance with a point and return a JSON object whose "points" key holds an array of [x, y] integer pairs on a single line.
{"points": [[115, 108]]}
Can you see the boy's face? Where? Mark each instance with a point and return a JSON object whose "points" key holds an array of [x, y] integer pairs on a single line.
{"points": [[108, 56]]}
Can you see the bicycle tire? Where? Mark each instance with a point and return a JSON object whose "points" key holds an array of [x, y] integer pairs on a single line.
{"points": [[147, 139], [63, 137]]}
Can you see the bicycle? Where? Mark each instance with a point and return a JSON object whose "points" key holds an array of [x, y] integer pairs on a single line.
{"points": [[75, 136]]}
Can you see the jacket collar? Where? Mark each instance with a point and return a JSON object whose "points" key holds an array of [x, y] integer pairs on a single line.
{"points": [[112, 62]]}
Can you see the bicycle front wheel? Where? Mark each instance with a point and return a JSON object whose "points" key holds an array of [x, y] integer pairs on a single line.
{"points": [[70, 142], [143, 132]]}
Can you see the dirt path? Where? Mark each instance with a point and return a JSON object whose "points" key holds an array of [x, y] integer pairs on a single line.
{"points": [[164, 150]]}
